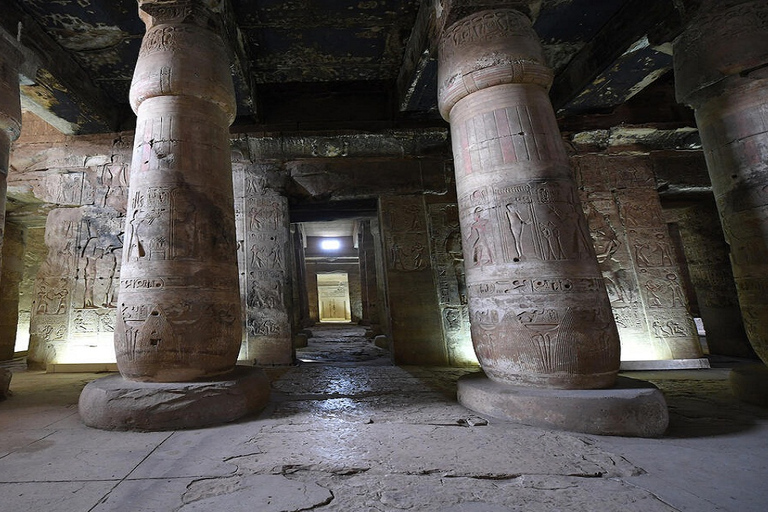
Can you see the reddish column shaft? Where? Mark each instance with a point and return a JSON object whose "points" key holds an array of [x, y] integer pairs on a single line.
{"points": [[539, 310]]}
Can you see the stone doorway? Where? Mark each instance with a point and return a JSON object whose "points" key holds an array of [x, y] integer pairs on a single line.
{"points": [[333, 302]]}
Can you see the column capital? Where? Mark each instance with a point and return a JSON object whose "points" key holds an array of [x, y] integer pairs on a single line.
{"points": [[10, 107], [724, 46], [485, 49], [183, 54], [198, 12]]}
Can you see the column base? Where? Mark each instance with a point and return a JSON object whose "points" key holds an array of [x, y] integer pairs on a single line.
{"points": [[114, 403], [631, 408], [666, 364], [750, 383]]}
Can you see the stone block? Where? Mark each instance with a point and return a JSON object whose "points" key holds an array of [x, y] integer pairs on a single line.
{"points": [[300, 340], [5, 383]]}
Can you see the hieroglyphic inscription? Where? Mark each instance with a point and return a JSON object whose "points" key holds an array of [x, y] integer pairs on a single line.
{"points": [[405, 234]]}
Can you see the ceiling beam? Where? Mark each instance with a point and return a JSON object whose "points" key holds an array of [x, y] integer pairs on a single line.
{"points": [[53, 85], [624, 57]]}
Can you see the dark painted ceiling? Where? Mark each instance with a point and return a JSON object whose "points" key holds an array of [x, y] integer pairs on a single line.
{"points": [[329, 64]]}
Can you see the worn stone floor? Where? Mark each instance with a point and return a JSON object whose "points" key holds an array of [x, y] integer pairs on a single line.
{"points": [[340, 436]]}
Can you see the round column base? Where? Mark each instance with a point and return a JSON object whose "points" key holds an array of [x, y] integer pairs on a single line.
{"points": [[114, 403], [750, 383], [632, 407]]}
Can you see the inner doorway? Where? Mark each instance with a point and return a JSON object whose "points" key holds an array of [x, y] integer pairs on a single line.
{"points": [[333, 297]]}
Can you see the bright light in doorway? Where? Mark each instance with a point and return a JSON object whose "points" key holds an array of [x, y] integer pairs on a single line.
{"points": [[331, 244]]}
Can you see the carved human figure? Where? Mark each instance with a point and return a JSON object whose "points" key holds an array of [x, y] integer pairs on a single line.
{"points": [[477, 239]]}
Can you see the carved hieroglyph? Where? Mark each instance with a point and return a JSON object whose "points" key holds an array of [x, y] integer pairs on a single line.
{"points": [[265, 257], [720, 70], [179, 308], [637, 259], [539, 311]]}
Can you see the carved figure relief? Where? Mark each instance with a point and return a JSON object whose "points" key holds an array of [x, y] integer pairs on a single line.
{"points": [[478, 240]]}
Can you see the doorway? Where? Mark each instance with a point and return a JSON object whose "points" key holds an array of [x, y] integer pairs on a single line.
{"points": [[333, 297]]}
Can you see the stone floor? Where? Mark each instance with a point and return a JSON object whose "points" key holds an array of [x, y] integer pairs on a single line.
{"points": [[357, 436]]}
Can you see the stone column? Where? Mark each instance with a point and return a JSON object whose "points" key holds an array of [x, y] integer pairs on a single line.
{"points": [[12, 274], [720, 70], [540, 315], [370, 284], [179, 303], [710, 270], [10, 115]]}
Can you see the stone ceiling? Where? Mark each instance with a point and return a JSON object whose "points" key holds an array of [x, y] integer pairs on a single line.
{"points": [[331, 64]]}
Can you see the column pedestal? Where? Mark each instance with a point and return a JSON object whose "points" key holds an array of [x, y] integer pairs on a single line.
{"points": [[114, 403], [539, 312], [631, 407]]}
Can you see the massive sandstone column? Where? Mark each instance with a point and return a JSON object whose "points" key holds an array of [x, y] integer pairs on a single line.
{"points": [[539, 311], [179, 306], [540, 317], [721, 70], [10, 127], [10, 115]]}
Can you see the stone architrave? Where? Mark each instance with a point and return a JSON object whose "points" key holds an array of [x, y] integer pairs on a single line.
{"points": [[415, 316], [710, 269], [266, 280], [721, 71], [179, 308], [10, 115], [642, 275], [539, 311], [448, 265]]}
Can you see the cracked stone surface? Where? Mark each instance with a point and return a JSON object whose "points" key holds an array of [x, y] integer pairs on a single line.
{"points": [[339, 437]]}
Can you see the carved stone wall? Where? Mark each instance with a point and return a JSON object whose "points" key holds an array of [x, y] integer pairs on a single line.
{"points": [[414, 311], [73, 312], [448, 267], [636, 258], [265, 259]]}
